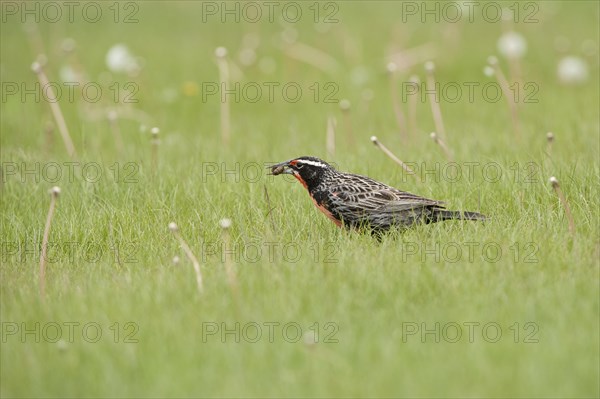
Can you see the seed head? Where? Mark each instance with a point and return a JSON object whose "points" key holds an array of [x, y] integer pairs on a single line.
{"points": [[112, 115], [512, 45], [68, 45], [221, 52], [573, 70], [225, 223], [62, 345], [310, 338], [492, 60], [414, 79], [36, 67], [344, 105]]}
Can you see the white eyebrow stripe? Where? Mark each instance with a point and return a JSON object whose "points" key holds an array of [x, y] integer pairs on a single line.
{"points": [[313, 163]]}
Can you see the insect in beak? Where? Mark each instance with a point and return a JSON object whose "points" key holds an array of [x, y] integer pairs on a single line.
{"points": [[281, 168]]}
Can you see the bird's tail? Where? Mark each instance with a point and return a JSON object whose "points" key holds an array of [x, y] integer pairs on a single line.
{"points": [[443, 214]]}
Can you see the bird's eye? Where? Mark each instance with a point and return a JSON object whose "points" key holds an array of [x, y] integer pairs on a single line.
{"points": [[299, 166]]}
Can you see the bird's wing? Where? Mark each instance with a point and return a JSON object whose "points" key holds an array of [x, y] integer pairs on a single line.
{"points": [[360, 197]]}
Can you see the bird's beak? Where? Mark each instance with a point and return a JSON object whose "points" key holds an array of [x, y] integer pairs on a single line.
{"points": [[281, 168]]}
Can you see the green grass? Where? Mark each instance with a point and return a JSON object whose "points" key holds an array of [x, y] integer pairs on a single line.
{"points": [[111, 253]]}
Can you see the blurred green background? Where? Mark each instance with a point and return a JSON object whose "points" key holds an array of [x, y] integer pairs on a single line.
{"points": [[366, 298]]}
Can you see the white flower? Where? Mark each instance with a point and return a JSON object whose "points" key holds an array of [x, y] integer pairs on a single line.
{"points": [[119, 59], [572, 70], [512, 45]]}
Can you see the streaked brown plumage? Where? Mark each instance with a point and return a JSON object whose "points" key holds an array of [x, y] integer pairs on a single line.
{"points": [[356, 201]]}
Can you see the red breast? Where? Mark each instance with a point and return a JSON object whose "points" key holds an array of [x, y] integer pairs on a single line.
{"points": [[319, 207]]}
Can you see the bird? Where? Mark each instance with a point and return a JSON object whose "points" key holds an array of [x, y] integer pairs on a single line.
{"points": [[358, 202]]}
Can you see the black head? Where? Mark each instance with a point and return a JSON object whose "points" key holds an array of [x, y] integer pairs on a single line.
{"points": [[308, 170]]}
